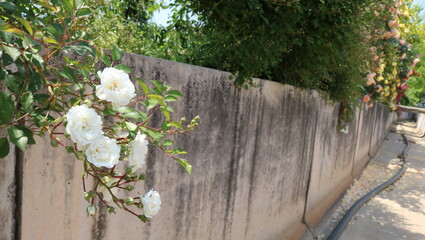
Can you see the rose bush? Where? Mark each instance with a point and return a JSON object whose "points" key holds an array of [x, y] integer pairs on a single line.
{"points": [[49, 67], [392, 59]]}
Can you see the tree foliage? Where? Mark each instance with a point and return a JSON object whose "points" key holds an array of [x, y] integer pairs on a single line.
{"points": [[128, 24], [331, 46], [416, 92]]}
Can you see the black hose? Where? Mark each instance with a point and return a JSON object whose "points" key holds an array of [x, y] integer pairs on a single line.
{"points": [[336, 233]]}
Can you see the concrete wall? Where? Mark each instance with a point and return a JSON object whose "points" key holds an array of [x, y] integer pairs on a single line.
{"points": [[263, 159], [420, 124], [7, 196], [8, 190]]}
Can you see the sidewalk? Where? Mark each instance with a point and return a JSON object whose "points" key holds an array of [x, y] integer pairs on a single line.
{"points": [[395, 213]]}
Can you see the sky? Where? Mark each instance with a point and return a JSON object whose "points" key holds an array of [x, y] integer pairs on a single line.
{"points": [[161, 16], [419, 2]]}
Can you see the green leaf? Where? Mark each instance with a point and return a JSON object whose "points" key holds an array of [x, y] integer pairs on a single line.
{"points": [[167, 87], [67, 5], [46, 5], [123, 68], [154, 134], [68, 73], [83, 12], [157, 100], [104, 58], [29, 134], [174, 93], [158, 85], [4, 147], [131, 126], [164, 126], [12, 52], [7, 36], [26, 101], [3, 74], [143, 218], [70, 149], [186, 165], [8, 5], [51, 40], [166, 113], [142, 176], [37, 60], [6, 107], [56, 30], [20, 136], [176, 125], [179, 151], [12, 84], [82, 48], [26, 24], [41, 98], [125, 110], [157, 97], [170, 98], [116, 53], [78, 3], [167, 142], [136, 115], [132, 129], [170, 109], [36, 83], [85, 73], [157, 91], [12, 29], [150, 103], [143, 86], [108, 111]]}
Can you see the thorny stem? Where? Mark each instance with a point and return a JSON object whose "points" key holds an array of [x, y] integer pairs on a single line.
{"points": [[101, 199], [150, 116], [84, 184], [136, 100]]}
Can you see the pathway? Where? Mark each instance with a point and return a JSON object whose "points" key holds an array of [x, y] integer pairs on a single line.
{"points": [[396, 213]]}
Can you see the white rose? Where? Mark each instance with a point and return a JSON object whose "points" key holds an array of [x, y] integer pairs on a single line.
{"points": [[103, 152], [138, 151], [84, 125], [115, 86], [105, 192], [151, 203]]}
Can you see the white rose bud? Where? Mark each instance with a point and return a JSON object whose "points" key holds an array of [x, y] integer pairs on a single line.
{"points": [[91, 210], [103, 152], [115, 86], [151, 203], [84, 125], [138, 151]]}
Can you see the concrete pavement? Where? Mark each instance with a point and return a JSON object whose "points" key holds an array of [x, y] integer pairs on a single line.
{"points": [[396, 213]]}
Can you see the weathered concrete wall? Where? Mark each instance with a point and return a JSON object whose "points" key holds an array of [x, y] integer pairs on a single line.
{"points": [[262, 159], [332, 162], [7, 189], [420, 123], [7, 196], [339, 157], [52, 200]]}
